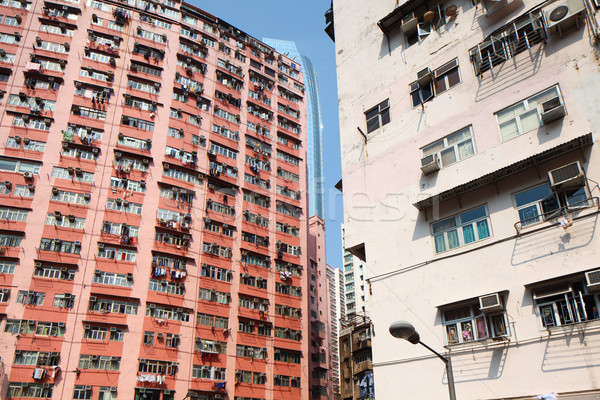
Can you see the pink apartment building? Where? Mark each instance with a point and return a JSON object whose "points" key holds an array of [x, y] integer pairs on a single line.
{"points": [[153, 202], [470, 176]]}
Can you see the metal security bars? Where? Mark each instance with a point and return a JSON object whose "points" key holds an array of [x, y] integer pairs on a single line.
{"points": [[508, 41]]}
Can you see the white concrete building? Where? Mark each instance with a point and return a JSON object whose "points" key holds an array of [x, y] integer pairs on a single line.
{"points": [[355, 289], [335, 281], [470, 188]]}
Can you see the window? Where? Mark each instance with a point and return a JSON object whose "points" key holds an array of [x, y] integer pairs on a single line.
{"points": [[435, 83], [468, 323], [524, 116], [533, 203], [462, 229], [378, 116], [565, 302], [452, 148], [107, 363], [29, 390], [540, 203], [208, 372], [148, 338], [66, 300], [81, 393], [31, 297], [112, 306], [95, 333]]}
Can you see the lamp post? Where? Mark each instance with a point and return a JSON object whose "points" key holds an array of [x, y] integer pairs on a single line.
{"points": [[405, 330]]}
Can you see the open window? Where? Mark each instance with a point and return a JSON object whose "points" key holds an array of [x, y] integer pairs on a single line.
{"points": [[417, 25], [565, 194], [476, 319], [430, 84], [563, 302]]}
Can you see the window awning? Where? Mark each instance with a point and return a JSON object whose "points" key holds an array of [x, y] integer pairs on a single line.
{"points": [[536, 159], [390, 21]]}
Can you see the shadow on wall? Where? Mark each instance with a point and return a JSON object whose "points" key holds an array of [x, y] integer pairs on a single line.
{"points": [[524, 65], [538, 245], [479, 365], [510, 73], [574, 349]]}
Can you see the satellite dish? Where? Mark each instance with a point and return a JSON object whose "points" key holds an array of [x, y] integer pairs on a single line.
{"points": [[451, 10]]}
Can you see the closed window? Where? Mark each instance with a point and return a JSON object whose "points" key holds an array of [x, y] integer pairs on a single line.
{"points": [[452, 148], [526, 115], [378, 116], [462, 229]]}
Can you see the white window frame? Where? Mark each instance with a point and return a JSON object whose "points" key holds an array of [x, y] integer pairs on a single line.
{"points": [[527, 109]]}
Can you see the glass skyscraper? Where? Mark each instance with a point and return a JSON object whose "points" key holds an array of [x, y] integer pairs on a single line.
{"points": [[316, 192]]}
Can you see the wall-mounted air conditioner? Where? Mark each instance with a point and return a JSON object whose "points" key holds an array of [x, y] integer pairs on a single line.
{"points": [[562, 14], [567, 176], [409, 23], [430, 163], [553, 109], [593, 280], [490, 302], [492, 6]]}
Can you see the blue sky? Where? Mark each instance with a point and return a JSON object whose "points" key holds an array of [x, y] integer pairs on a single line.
{"points": [[302, 22]]}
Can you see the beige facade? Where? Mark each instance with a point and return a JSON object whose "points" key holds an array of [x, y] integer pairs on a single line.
{"points": [[469, 176]]}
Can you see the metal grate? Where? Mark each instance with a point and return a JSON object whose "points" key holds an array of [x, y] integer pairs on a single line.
{"points": [[565, 173]]}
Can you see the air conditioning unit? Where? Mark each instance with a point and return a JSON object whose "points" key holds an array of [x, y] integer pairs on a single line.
{"points": [[593, 280], [553, 109], [562, 14], [409, 23], [491, 302], [567, 176], [430, 163], [424, 76], [491, 6]]}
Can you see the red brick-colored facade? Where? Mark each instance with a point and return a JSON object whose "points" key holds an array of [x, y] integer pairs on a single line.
{"points": [[153, 223]]}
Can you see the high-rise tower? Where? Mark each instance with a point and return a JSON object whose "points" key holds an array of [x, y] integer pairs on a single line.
{"points": [[165, 152], [316, 179]]}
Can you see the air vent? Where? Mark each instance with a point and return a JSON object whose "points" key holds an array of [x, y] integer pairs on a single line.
{"points": [[568, 176], [593, 280]]}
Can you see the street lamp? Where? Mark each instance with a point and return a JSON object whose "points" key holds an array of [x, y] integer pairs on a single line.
{"points": [[405, 330]]}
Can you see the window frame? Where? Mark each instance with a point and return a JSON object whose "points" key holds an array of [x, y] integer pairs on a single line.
{"points": [[574, 292], [495, 323], [527, 109], [459, 226], [445, 71], [380, 113], [454, 146]]}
